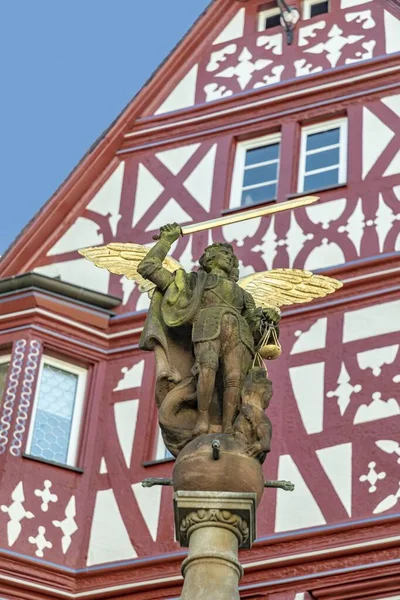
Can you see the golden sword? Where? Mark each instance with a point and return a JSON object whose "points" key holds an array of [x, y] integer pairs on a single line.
{"points": [[237, 217]]}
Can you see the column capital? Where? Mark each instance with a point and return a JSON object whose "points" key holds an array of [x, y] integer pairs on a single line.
{"points": [[235, 511]]}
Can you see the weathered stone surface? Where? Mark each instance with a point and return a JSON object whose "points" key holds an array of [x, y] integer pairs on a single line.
{"points": [[214, 525]]}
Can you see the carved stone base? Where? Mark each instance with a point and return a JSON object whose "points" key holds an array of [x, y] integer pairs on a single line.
{"points": [[214, 525], [203, 467]]}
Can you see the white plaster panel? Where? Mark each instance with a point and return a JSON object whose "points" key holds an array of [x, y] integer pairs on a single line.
{"points": [[298, 509], [183, 95], [109, 539], [176, 158], [376, 137], [103, 466], [132, 377], [393, 102], [147, 191], [143, 303], [370, 321], [384, 219], [108, 199], [295, 239], [337, 464], [234, 29], [125, 414], [82, 233], [240, 231], [309, 398], [170, 213], [269, 244], [326, 212], [392, 36], [200, 182], [394, 167], [149, 501], [79, 272], [327, 254], [312, 339]]}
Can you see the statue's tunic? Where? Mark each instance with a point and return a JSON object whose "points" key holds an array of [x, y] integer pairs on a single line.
{"points": [[208, 321]]}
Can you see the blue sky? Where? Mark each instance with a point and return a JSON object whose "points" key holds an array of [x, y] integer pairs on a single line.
{"points": [[67, 69]]}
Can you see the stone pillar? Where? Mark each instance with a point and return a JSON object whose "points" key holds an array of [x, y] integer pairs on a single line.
{"points": [[214, 525]]}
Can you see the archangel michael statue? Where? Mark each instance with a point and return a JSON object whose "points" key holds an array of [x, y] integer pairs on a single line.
{"points": [[210, 332]]}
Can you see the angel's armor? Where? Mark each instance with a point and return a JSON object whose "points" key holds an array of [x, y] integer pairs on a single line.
{"points": [[224, 326]]}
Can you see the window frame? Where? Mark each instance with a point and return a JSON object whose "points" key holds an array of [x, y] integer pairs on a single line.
{"points": [[73, 444], [264, 14], [240, 163], [342, 124], [307, 4], [4, 358]]}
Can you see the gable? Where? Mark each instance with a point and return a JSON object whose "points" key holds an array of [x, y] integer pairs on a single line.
{"points": [[240, 59]]}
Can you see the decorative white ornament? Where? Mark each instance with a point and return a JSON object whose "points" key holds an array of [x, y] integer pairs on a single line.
{"points": [[215, 92], [334, 45], [310, 31], [372, 477], [25, 396], [377, 409], [305, 68], [269, 79], [40, 541], [16, 513], [344, 390], [387, 503], [355, 226], [271, 42], [219, 56], [390, 447], [364, 17], [132, 377], [376, 358], [245, 68], [68, 525], [7, 407], [46, 495]]}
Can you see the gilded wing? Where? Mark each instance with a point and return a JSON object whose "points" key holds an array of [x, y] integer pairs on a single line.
{"points": [[280, 287], [123, 259]]}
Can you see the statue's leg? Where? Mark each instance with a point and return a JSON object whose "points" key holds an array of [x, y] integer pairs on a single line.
{"points": [[207, 358], [236, 363]]}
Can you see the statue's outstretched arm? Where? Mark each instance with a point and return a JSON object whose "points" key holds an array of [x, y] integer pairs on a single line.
{"points": [[151, 266]]}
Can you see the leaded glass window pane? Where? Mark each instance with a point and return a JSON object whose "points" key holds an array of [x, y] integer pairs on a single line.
{"points": [[54, 414], [3, 376]]}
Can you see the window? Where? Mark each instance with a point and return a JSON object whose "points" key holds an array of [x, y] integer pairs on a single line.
{"points": [[4, 364], [269, 18], [255, 176], [314, 8], [323, 155], [161, 451], [57, 411]]}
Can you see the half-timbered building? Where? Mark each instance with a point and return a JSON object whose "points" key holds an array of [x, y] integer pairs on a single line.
{"points": [[258, 104]]}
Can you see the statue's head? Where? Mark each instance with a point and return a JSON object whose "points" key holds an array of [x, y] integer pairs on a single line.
{"points": [[220, 256]]}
